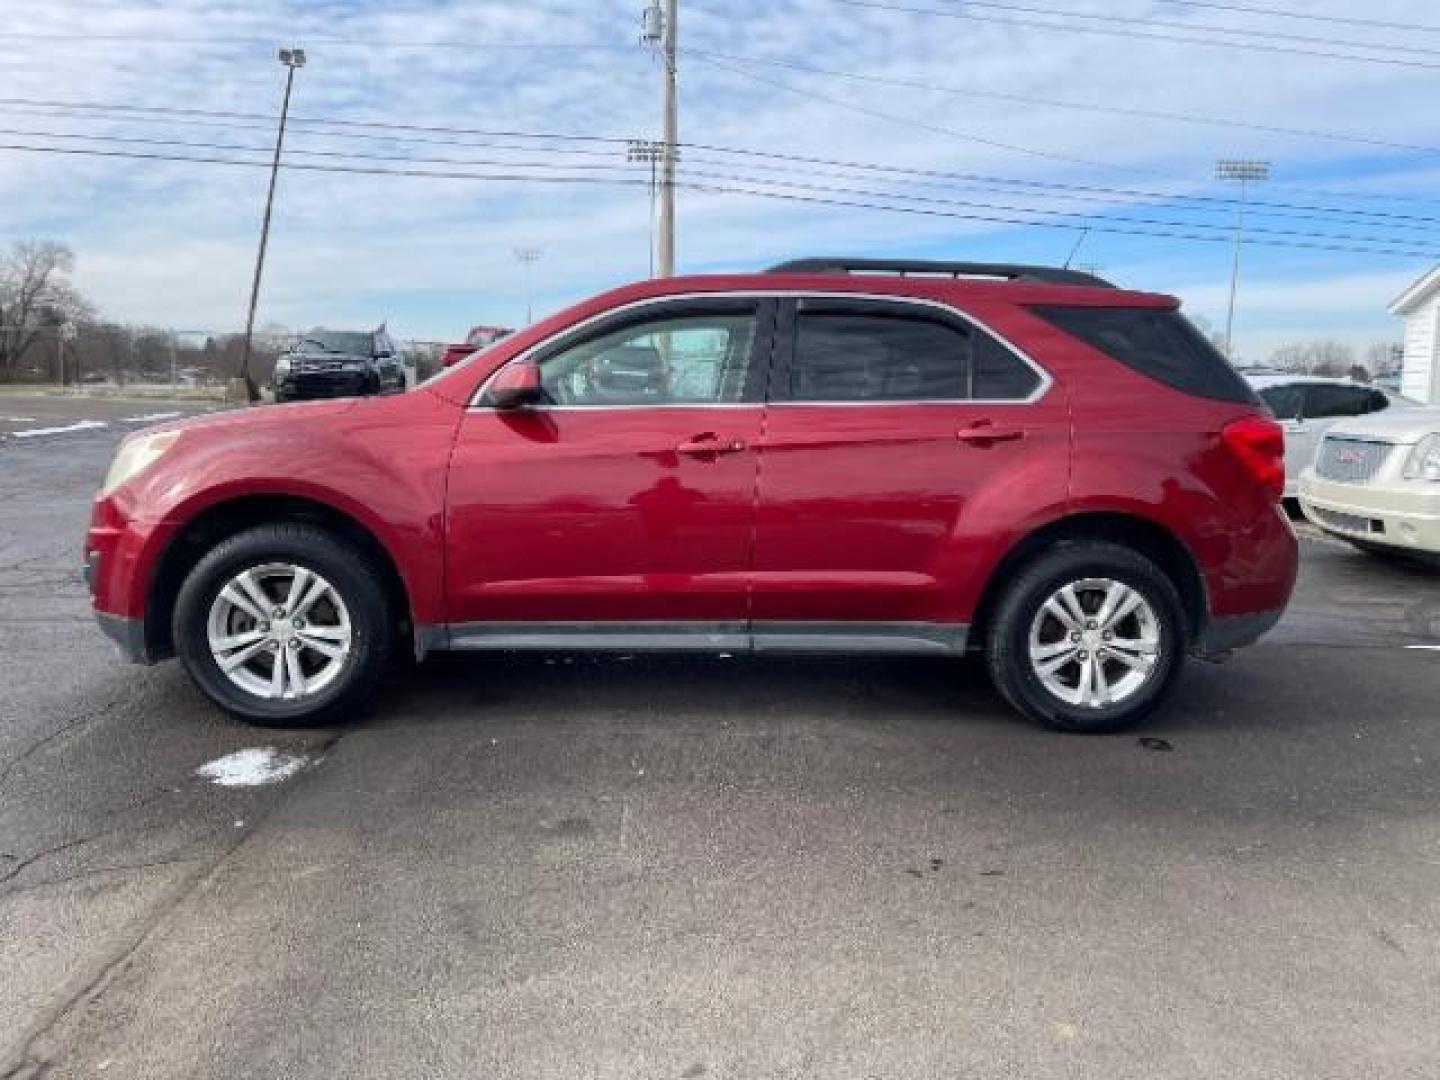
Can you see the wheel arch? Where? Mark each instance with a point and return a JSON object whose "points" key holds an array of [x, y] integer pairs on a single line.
{"points": [[1154, 541], [231, 516]]}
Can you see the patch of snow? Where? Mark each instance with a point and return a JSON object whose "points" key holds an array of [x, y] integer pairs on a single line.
{"points": [[255, 767], [79, 425], [20, 420]]}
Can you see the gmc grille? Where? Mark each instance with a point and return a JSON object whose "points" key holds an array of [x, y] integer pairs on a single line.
{"points": [[1351, 461]]}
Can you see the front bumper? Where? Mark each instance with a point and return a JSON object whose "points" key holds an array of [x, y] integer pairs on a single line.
{"points": [[128, 636], [118, 562], [330, 384], [1400, 514]]}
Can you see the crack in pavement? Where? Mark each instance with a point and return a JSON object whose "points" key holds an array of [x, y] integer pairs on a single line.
{"points": [[95, 871], [22, 1063], [46, 740]]}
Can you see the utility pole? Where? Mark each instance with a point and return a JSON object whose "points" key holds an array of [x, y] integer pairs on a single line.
{"points": [[1246, 172], [528, 257], [292, 59], [661, 26]]}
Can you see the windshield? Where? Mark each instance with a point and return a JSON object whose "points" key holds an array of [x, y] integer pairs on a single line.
{"points": [[335, 341]]}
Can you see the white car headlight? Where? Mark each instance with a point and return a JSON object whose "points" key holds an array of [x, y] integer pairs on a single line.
{"points": [[136, 453], [1424, 463], [282, 366]]}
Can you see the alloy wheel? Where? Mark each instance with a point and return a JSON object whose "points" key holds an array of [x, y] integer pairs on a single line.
{"points": [[279, 631], [1094, 643]]}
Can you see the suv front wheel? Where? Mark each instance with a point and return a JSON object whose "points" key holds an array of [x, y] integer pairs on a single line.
{"points": [[1089, 637], [284, 624]]}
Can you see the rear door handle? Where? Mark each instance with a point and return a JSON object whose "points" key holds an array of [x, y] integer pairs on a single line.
{"points": [[983, 432], [708, 444]]}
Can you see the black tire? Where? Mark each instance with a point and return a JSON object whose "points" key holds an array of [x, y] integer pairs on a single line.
{"points": [[1007, 642], [349, 570]]}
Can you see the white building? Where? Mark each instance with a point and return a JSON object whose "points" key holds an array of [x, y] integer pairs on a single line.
{"points": [[1419, 306]]}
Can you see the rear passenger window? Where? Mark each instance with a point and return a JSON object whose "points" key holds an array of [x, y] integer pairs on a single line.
{"points": [[1284, 401], [1322, 401], [997, 374], [858, 356], [1157, 342]]}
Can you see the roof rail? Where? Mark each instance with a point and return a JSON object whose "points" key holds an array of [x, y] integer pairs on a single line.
{"points": [[1048, 275]]}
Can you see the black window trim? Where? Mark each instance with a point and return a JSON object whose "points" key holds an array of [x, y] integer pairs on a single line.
{"points": [[776, 315], [787, 326]]}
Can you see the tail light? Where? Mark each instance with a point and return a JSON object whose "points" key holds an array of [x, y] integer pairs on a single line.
{"points": [[1258, 443]]}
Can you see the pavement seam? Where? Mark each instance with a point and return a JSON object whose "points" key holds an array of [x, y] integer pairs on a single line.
{"points": [[21, 1064]]}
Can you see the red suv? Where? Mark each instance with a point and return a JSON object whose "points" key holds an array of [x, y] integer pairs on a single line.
{"points": [[850, 456]]}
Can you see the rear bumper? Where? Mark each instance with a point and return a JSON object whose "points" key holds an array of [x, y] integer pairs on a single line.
{"points": [[1230, 632]]}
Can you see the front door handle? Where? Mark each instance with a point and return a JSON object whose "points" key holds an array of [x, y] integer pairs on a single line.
{"points": [[984, 432], [708, 445]]}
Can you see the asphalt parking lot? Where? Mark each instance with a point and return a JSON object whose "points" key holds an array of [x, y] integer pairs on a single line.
{"points": [[562, 867]]}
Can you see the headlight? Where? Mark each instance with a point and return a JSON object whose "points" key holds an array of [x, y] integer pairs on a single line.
{"points": [[136, 453], [282, 366], [353, 365], [1424, 463]]}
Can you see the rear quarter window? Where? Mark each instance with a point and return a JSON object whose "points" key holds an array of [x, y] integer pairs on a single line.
{"points": [[1159, 343]]}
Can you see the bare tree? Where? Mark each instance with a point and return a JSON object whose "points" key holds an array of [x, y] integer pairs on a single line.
{"points": [[1384, 357], [36, 297], [1331, 358]]}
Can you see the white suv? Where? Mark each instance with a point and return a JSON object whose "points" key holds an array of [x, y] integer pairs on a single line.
{"points": [[1375, 482], [1306, 406]]}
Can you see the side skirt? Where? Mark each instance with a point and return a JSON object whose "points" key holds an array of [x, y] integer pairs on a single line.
{"points": [[875, 638]]}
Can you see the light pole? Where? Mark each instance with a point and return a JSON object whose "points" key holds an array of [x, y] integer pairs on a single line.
{"points": [[527, 257], [292, 59], [1247, 172]]}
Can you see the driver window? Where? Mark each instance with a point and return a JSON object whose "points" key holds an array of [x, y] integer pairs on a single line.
{"points": [[685, 360]]}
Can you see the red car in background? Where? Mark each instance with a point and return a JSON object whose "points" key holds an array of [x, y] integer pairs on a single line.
{"points": [[479, 337], [845, 456]]}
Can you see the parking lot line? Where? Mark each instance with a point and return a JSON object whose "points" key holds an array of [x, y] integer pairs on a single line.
{"points": [[79, 425]]}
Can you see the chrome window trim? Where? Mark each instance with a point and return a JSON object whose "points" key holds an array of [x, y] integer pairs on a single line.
{"points": [[564, 337]]}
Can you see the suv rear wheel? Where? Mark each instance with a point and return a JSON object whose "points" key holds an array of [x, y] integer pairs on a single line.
{"points": [[1089, 637], [284, 624]]}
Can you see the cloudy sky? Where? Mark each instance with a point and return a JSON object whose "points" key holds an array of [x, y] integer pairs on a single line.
{"points": [[918, 127]]}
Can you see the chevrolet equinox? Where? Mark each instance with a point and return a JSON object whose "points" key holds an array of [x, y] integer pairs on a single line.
{"points": [[834, 456]]}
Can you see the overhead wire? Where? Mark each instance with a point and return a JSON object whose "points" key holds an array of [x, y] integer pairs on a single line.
{"points": [[814, 194]]}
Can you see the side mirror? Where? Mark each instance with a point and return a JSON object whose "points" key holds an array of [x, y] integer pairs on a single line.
{"points": [[517, 386]]}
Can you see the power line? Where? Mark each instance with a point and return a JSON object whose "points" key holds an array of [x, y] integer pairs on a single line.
{"points": [[936, 129], [1296, 240], [907, 121], [1279, 14], [311, 42], [1188, 27], [1073, 193], [222, 119], [1147, 114], [1117, 31]]}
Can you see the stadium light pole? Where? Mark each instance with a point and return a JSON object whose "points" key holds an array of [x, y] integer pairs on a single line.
{"points": [[1245, 172], [292, 59]]}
